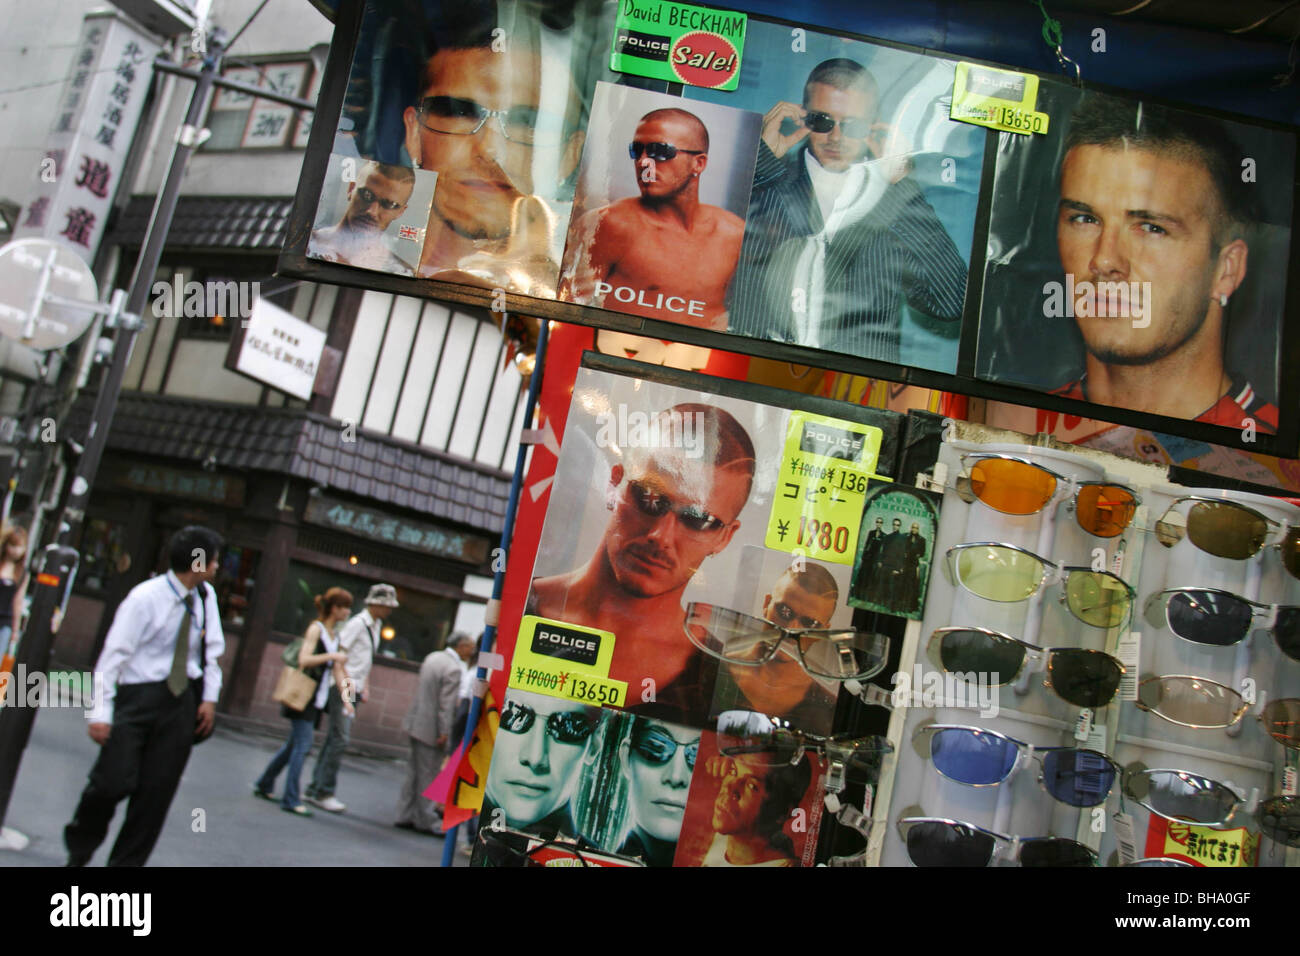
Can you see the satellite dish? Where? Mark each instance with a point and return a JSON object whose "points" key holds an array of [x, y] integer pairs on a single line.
{"points": [[48, 296]]}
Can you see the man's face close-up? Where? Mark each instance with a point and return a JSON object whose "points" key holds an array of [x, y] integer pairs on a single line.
{"points": [[482, 175], [835, 151], [660, 761], [367, 200], [1135, 216], [663, 179], [792, 606], [538, 750], [739, 799], [671, 512]]}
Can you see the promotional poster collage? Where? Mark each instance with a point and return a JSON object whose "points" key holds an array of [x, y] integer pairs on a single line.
{"points": [[828, 202]]}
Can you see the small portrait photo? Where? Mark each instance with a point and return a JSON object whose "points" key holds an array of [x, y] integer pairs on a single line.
{"points": [[895, 550], [542, 746], [659, 212], [371, 215], [1138, 258], [750, 810]]}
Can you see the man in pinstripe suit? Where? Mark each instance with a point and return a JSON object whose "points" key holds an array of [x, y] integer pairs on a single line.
{"points": [[836, 241]]}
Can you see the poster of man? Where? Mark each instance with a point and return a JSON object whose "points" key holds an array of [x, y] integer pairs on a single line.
{"points": [[660, 206], [895, 550], [1138, 258]]}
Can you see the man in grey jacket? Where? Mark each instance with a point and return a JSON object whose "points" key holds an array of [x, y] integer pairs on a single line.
{"points": [[428, 724]]}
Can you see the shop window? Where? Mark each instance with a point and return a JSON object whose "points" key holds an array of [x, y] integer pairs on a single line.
{"points": [[419, 626], [242, 121], [234, 584], [103, 555]]}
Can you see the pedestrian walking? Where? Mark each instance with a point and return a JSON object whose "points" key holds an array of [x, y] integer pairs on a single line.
{"points": [[160, 683], [359, 640], [318, 656], [13, 591], [428, 725]]}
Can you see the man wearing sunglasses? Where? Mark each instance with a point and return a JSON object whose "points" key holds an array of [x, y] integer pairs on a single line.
{"points": [[837, 236], [377, 197], [1152, 207], [662, 254], [497, 120], [538, 751], [673, 505], [659, 759]]}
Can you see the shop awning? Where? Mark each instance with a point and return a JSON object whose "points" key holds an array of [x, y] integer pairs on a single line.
{"points": [[253, 224]]}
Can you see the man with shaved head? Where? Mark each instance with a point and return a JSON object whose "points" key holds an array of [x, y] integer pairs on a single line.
{"points": [[376, 198], [663, 254], [675, 500]]}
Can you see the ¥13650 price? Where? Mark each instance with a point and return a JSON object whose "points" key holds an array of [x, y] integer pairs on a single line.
{"points": [[822, 535], [1009, 117], [594, 692]]}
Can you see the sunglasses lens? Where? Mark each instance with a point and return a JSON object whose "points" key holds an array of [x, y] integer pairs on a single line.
{"points": [[1225, 530], [974, 651], [1205, 617], [1055, 852], [1084, 678], [845, 655], [1290, 548], [855, 128], [1279, 818], [1012, 487], [1081, 778], [819, 122], [1097, 598], [996, 573], [730, 635], [1190, 701], [1281, 719], [1176, 795], [933, 843], [1104, 510], [972, 757], [1171, 528], [1286, 631]]}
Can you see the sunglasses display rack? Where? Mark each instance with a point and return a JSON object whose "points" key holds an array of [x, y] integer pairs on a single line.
{"points": [[987, 768]]}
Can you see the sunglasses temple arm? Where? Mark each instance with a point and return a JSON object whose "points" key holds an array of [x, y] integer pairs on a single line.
{"points": [[871, 694]]}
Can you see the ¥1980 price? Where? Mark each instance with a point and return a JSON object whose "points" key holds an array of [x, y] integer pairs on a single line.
{"points": [[822, 535], [594, 692]]}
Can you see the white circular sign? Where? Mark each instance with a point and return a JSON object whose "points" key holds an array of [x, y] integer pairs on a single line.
{"points": [[22, 264]]}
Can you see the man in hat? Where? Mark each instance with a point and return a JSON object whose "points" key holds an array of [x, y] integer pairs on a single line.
{"points": [[359, 639]]}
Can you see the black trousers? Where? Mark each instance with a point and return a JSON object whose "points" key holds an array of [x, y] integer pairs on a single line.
{"points": [[143, 759]]}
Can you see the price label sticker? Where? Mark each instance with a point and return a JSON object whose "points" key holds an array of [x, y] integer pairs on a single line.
{"points": [[1125, 840], [1128, 652], [566, 660], [818, 500], [999, 99]]}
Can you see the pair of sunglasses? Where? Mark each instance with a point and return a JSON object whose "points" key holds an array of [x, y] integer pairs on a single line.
{"points": [[1281, 721], [1226, 529], [1279, 818], [842, 654], [984, 758], [456, 116], [367, 197], [564, 727], [935, 841], [1182, 796], [1081, 677], [1018, 486], [655, 504], [1006, 573], [852, 759], [1221, 619], [1191, 701], [659, 152], [850, 128], [657, 748]]}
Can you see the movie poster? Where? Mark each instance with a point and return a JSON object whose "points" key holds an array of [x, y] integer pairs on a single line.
{"points": [[895, 550], [1138, 258]]}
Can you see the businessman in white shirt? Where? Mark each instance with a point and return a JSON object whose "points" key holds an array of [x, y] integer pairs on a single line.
{"points": [[159, 699]]}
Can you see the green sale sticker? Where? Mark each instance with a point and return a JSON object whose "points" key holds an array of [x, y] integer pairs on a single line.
{"points": [[679, 43]]}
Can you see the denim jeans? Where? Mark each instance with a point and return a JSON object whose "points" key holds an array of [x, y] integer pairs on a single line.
{"points": [[294, 753], [325, 777]]}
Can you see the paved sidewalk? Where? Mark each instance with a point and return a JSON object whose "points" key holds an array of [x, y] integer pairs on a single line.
{"points": [[237, 829]]}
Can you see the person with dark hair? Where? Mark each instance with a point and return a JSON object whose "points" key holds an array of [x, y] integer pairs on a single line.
{"points": [[376, 199], [675, 500], [838, 237], [753, 805], [157, 683], [332, 609], [1152, 229], [658, 761], [662, 254], [13, 590]]}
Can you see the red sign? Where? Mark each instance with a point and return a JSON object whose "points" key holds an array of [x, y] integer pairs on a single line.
{"points": [[704, 59]]}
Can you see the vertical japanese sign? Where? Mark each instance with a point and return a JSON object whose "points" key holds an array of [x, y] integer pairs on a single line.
{"points": [[94, 123]]}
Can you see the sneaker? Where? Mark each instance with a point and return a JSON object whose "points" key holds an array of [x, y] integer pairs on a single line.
{"points": [[331, 803], [300, 809]]}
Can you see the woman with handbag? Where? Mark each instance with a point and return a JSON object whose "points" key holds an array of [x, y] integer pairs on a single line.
{"points": [[334, 607]]}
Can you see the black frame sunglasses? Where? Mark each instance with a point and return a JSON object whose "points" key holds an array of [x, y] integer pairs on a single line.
{"points": [[659, 152], [564, 726], [368, 197], [656, 504], [643, 738], [852, 128]]}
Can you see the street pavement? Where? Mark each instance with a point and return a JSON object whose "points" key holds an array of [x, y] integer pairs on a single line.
{"points": [[234, 828]]}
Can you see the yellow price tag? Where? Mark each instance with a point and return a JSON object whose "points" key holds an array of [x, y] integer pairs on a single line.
{"points": [[565, 660], [998, 99], [817, 504]]}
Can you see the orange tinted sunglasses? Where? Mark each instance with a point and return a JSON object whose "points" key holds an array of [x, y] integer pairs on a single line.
{"points": [[1017, 486]]}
